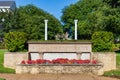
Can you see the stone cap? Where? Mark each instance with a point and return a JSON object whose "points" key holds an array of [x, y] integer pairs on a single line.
{"points": [[99, 64], [58, 42]]}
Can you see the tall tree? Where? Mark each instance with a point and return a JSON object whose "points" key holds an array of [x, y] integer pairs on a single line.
{"points": [[113, 17], [93, 15], [113, 3], [30, 19]]}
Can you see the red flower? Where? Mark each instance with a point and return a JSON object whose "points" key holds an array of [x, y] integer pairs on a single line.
{"points": [[87, 61], [48, 61], [80, 61], [33, 62], [58, 61], [23, 62], [40, 61], [29, 62], [94, 62]]}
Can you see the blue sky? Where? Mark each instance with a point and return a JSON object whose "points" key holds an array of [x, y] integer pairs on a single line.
{"points": [[54, 7]]}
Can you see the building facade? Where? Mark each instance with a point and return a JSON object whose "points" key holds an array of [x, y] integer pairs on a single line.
{"points": [[7, 6]]}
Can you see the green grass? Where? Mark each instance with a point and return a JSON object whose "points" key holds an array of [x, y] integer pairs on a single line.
{"points": [[114, 73], [118, 61], [2, 79], [2, 68]]}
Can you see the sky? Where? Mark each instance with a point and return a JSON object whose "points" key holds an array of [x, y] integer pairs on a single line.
{"points": [[53, 7]]}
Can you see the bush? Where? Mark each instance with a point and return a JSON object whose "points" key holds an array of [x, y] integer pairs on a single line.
{"points": [[102, 41], [15, 41], [2, 45], [116, 47]]}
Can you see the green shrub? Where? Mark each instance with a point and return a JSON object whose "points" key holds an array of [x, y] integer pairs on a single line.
{"points": [[2, 45], [116, 47], [102, 41], [15, 41]]}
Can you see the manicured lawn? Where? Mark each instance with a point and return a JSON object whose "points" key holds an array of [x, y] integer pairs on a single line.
{"points": [[2, 68], [118, 61], [2, 79]]}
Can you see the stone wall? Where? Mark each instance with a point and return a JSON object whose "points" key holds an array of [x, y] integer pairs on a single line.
{"points": [[107, 58], [60, 47], [37, 69], [11, 59]]}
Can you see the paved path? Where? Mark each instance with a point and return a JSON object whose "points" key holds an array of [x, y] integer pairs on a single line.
{"points": [[53, 77]]}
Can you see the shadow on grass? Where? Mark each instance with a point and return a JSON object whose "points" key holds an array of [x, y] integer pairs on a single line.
{"points": [[117, 51]]}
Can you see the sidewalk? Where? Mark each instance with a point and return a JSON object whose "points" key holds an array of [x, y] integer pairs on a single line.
{"points": [[53, 77]]}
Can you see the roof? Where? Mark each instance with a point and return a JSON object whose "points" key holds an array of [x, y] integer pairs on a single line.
{"points": [[6, 3]]}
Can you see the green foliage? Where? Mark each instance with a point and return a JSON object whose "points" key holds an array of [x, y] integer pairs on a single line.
{"points": [[102, 41], [116, 47], [15, 41], [2, 45], [30, 19], [118, 61], [93, 16], [113, 3], [2, 68]]}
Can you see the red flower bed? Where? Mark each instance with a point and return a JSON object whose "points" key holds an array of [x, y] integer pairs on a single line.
{"points": [[59, 61]]}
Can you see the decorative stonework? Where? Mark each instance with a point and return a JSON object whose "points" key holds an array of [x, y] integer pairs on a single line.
{"points": [[81, 69], [11, 60], [60, 46]]}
